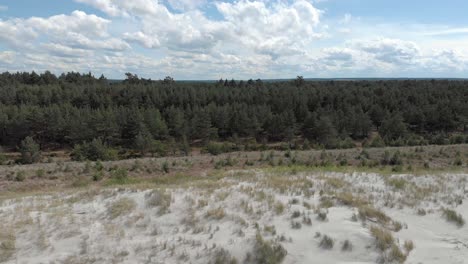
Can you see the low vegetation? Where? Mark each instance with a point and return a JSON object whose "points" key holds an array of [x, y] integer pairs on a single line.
{"points": [[265, 252], [123, 206], [453, 216]]}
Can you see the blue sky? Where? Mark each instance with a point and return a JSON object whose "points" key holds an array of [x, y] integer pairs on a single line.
{"points": [[202, 39]]}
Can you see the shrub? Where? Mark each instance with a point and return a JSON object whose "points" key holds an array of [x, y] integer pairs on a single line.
{"points": [[159, 198], [396, 159], [377, 142], [222, 256], [30, 151], [7, 244], [266, 252], [165, 167], [409, 246], [322, 216], [296, 225], [94, 150], [215, 148], [326, 242], [452, 216], [119, 174], [383, 238], [20, 176], [99, 175], [367, 212], [396, 255], [347, 246], [40, 173], [216, 214], [397, 183], [296, 214], [279, 208], [421, 212], [121, 207]]}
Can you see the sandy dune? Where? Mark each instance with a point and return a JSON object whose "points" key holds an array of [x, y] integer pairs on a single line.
{"points": [[243, 218]]}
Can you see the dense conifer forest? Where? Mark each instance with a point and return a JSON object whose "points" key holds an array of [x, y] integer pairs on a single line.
{"points": [[80, 112]]}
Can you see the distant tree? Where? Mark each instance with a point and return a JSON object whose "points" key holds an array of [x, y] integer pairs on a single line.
{"points": [[299, 81], [30, 151], [393, 128], [168, 80], [185, 146], [143, 143]]}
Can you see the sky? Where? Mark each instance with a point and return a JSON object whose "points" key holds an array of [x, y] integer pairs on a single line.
{"points": [[242, 39]]}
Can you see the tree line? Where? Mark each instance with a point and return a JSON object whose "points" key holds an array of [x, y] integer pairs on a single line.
{"points": [[79, 111]]}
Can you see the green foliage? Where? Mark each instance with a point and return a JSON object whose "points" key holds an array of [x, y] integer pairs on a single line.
{"points": [[215, 148], [75, 108], [30, 151], [165, 167], [3, 158], [377, 142], [95, 150], [20, 176], [119, 174]]}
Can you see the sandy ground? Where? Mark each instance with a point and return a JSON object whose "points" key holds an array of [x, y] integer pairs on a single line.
{"points": [[215, 220]]}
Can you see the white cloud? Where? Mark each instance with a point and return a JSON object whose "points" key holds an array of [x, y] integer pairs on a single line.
{"points": [[184, 5], [393, 51], [7, 57], [3, 8], [245, 39], [124, 7]]}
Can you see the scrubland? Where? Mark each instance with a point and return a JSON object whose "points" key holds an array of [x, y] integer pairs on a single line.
{"points": [[273, 207]]}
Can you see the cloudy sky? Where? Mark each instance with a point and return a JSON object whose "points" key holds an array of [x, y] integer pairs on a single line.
{"points": [[203, 39]]}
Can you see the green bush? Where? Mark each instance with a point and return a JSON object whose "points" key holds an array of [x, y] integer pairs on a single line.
{"points": [[120, 174], [30, 151], [165, 167], [20, 176], [215, 148], [94, 150]]}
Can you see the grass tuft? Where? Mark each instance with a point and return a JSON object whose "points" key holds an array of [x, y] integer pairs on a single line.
{"points": [[121, 207], [454, 217]]}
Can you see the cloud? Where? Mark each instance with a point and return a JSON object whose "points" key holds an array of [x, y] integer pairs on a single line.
{"points": [[393, 51], [200, 39], [184, 5], [124, 7], [3, 8], [77, 30], [7, 57]]}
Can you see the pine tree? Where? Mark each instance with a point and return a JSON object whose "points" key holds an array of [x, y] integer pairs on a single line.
{"points": [[30, 151]]}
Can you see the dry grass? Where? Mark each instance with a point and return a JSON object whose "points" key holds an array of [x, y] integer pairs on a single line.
{"points": [[373, 215], [383, 238], [7, 243], [349, 199], [121, 207], [454, 217], [159, 198], [217, 213], [268, 252]]}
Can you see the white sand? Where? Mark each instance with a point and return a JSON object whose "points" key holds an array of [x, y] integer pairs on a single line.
{"points": [[77, 228]]}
